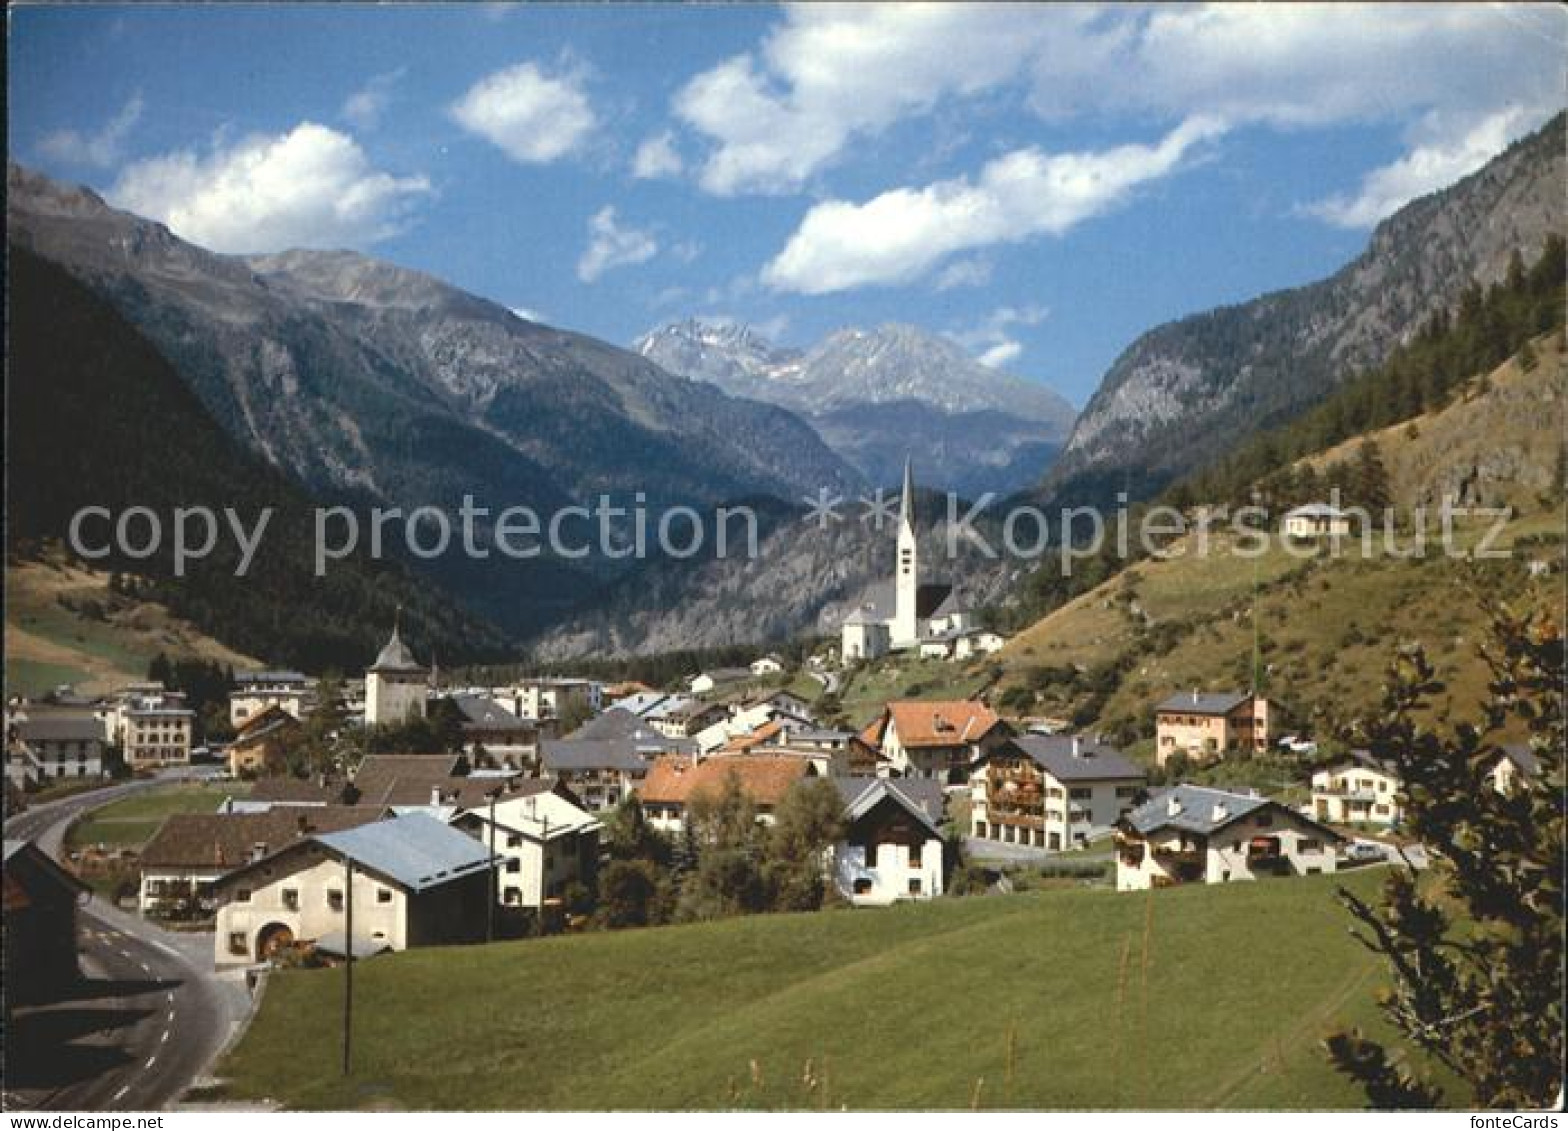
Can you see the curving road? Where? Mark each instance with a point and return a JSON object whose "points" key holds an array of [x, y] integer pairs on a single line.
{"points": [[150, 1014]]}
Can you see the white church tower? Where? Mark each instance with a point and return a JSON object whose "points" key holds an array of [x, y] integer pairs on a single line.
{"points": [[906, 582], [395, 684]]}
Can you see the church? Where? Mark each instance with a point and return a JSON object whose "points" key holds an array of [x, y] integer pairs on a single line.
{"points": [[904, 613], [395, 685]]}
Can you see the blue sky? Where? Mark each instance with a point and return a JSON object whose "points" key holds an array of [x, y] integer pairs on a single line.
{"points": [[1041, 183]]}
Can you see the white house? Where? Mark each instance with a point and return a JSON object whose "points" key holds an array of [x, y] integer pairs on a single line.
{"points": [[892, 848], [1193, 834], [542, 699], [767, 665], [1516, 767], [937, 739], [1316, 520], [409, 881], [1357, 789], [543, 841], [254, 692], [1053, 792], [715, 678]]}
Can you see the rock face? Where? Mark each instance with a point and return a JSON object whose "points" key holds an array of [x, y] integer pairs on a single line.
{"points": [[1187, 390], [876, 395]]}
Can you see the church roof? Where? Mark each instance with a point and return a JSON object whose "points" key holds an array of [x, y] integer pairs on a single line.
{"points": [[396, 657]]}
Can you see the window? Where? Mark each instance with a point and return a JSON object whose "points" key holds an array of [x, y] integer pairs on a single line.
{"points": [[1310, 844], [291, 899], [1081, 793], [335, 900], [514, 841], [242, 895], [914, 856], [1265, 820], [514, 866], [237, 944], [1126, 791], [383, 895], [871, 856], [862, 886], [914, 885]]}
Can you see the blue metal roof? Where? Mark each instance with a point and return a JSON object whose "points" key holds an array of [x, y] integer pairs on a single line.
{"points": [[417, 851]]}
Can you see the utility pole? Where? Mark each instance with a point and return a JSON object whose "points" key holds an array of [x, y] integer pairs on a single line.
{"points": [[494, 894], [348, 962]]}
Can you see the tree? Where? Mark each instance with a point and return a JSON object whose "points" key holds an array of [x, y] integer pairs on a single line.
{"points": [[808, 823], [631, 894], [629, 836], [1370, 480], [727, 879], [1475, 950]]}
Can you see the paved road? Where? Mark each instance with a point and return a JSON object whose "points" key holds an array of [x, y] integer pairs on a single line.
{"points": [[149, 1016]]}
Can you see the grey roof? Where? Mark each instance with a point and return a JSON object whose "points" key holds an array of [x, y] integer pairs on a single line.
{"points": [[1315, 510], [617, 722], [600, 754], [954, 602], [270, 677], [1071, 758], [877, 606], [60, 728], [1205, 703], [396, 657], [923, 798], [1369, 760], [1196, 809], [486, 714], [1520, 754], [415, 851]]}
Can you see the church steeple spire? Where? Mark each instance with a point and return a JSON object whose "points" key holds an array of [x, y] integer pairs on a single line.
{"points": [[906, 501]]}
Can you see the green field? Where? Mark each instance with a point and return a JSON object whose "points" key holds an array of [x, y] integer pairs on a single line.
{"points": [[905, 677], [1192, 998], [130, 823]]}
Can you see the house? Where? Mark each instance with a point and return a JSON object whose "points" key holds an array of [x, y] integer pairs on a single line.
{"points": [[190, 852], [261, 746], [37, 924], [715, 678], [1193, 834], [605, 760], [971, 643], [505, 738], [674, 715], [1205, 726], [46, 746], [1357, 789], [1053, 792], [405, 882], [156, 731], [438, 784], [285, 790], [767, 665], [254, 692], [675, 780], [1316, 520], [892, 847], [395, 685], [934, 739], [1516, 767], [543, 842], [539, 700]]}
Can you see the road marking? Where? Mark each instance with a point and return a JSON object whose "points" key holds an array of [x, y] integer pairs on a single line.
{"points": [[166, 948], [150, 1060], [163, 1040], [123, 952], [146, 969], [169, 997], [122, 1092]]}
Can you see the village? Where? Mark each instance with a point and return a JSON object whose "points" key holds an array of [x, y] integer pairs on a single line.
{"points": [[506, 831]]}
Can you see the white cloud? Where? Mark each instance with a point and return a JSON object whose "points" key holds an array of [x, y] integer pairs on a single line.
{"points": [[100, 149], [657, 158], [903, 234], [974, 272], [365, 106], [992, 337], [829, 74], [1426, 168], [610, 245], [1000, 354], [533, 117], [310, 187]]}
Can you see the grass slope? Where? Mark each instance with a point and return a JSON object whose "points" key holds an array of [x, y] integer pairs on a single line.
{"points": [[1104, 1000], [63, 625], [130, 823]]}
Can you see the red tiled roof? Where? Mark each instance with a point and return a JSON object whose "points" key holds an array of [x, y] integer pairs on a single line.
{"points": [[940, 722], [765, 778]]}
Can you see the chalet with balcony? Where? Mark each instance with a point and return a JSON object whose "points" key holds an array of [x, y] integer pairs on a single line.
{"points": [[1193, 834], [677, 780], [1054, 792], [1359, 789]]}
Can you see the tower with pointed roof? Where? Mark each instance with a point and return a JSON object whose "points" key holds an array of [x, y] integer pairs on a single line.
{"points": [[395, 684], [906, 581]]}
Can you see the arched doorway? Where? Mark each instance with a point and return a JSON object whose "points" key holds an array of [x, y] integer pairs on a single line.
{"points": [[272, 939]]}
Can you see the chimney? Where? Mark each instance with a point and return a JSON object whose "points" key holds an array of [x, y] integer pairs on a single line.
{"points": [[1220, 812], [258, 850], [1173, 806], [1076, 752], [435, 795], [1194, 696]]}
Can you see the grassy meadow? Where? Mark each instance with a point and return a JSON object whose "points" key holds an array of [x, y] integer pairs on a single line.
{"points": [[1198, 997]]}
